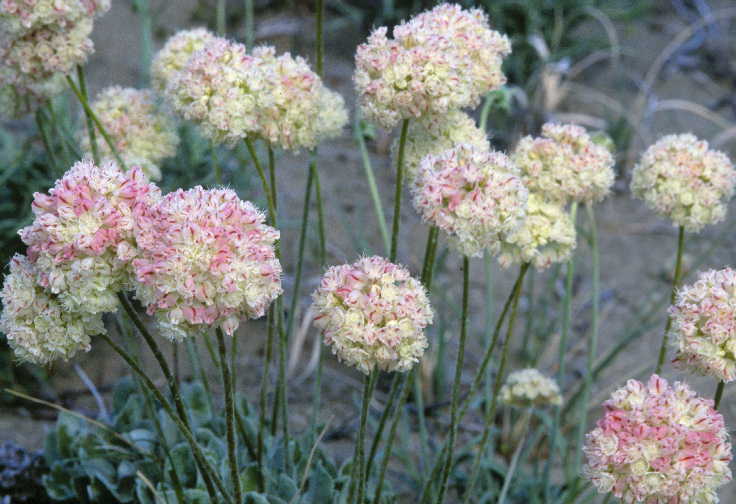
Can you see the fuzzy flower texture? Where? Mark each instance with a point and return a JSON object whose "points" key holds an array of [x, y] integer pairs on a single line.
{"points": [[680, 178], [40, 42], [232, 94], [529, 387], [81, 240], [39, 328], [373, 314], [472, 194], [658, 443], [565, 165], [704, 324], [440, 60], [142, 134], [205, 258]]}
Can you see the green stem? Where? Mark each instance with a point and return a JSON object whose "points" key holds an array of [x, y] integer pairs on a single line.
{"points": [[320, 215], [515, 458], [263, 396], [264, 182], [397, 383], [300, 252], [592, 339], [719, 394], [217, 167], [221, 17], [372, 186], [562, 354], [45, 140], [490, 414], [144, 12], [357, 472], [90, 125], [319, 36], [250, 35], [675, 284], [458, 378], [227, 384], [398, 192], [485, 111]]}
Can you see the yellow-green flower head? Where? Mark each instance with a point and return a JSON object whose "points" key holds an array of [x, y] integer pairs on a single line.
{"points": [[39, 328], [680, 178], [529, 387], [704, 325], [175, 53], [474, 195], [21, 16], [546, 236], [440, 60], [565, 164], [372, 314], [435, 133], [143, 134]]}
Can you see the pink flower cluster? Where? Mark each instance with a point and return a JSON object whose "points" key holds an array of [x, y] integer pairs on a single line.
{"points": [[658, 443], [442, 59], [373, 314], [40, 41], [81, 241], [704, 324], [205, 258], [474, 195]]}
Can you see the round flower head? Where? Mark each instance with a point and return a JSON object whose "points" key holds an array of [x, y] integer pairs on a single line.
{"points": [[704, 324], [22, 16], [39, 328], [472, 194], [440, 60], [373, 314], [529, 387], [658, 443], [680, 178], [206, 258], [434, 134], [564, 164], [81, 240], [547, 236], [219, 88], [175, 53], [295, 110], [143, 135]]}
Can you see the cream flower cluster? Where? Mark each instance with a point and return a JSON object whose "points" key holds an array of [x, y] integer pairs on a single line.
{"points": [[373, 314], [440, 60], [233, 95], [143, 134], [704, 324], [474, 195], [175, 53], [205, 258], [679, 177], [658, 443], [546, 236], [81, 240], [40, 41], [529, 387], [39, 328], [434, 134], [564, 164]]}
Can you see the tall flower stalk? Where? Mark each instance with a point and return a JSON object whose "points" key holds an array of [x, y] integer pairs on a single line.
{"points": [[227, 383], [676, 280]]}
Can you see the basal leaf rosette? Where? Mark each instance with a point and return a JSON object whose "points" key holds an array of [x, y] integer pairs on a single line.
{"points": [[39, 328], [704, 324], [658, 443], [681, 178], [372, 314], [81, 240], [546, 236], [440, 60], [565, 164], [175, 53], [474, 195], [142, 133], [434, 134], [205, 259], [529, 387]]}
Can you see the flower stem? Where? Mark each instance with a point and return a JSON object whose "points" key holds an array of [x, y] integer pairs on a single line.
{"points": [[458, 379], [490, 413], [592, 338], [229, 416], [562, 354], [250, 35], [398, 193], [39, 116], [719, 394], [221, 17], [90, 125], [675, 284], [264, 182], [515, 458], [300, 253], [357, 472]]}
